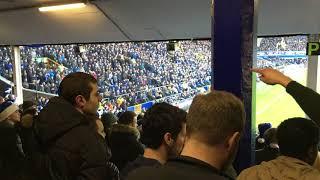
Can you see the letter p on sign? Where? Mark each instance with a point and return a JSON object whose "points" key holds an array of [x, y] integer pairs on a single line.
{"points": [[313, 49]]}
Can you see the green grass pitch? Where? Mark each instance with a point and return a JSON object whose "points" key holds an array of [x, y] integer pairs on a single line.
{"points": [[274, 104]]}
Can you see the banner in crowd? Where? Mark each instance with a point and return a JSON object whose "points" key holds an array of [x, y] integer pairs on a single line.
{"points": [[137, 108]]}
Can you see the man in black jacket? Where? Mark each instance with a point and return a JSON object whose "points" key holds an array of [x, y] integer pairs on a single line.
{"points": [[65, 132], [12, 156], [215, 122]]}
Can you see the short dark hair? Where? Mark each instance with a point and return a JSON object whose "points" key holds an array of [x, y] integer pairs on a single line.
{"points": [[75, 84], [126, 117], [160, 119], [296, 136], [214, 116]]}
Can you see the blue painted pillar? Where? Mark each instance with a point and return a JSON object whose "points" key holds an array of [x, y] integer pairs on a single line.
{"points": [[233, 43]]}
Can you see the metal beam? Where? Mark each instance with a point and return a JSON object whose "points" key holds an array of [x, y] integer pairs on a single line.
{"points": [[17, 78]]}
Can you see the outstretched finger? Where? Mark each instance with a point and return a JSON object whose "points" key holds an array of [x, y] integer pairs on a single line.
{"points": [[257, 70]]}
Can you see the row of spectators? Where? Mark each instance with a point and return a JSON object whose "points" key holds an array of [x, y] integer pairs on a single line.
{"points": [[277, 62]]}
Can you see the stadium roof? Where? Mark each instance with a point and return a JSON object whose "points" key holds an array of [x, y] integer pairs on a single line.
{"points": [[136, 20]]}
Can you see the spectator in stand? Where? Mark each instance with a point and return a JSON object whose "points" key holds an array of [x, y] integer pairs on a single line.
{"points": [[298, 140], [12, 157], [108, 120], [270, 150], [29, 111], [163, 134], [260, 141], [125, 134], [75, 147]]}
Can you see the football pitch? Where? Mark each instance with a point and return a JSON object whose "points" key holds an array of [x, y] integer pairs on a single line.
{"points": [[274, 104]]}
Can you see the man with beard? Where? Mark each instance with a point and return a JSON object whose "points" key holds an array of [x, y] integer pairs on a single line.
{"points": [[163, 134]]}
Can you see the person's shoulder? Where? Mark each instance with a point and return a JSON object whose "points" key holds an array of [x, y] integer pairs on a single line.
{"points": [[311, 174], [171, 173], [139, 162], [81, 135], [144, 173], [253, 172], [84, 132]]}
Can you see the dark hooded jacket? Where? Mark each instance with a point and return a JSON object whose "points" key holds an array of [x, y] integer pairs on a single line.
{"points": [[12, 158], [71, 143], [124, 143]]}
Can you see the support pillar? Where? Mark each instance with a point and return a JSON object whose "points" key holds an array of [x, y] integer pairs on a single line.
{"points": [[17, 77], [313, 64], [234, 40]]}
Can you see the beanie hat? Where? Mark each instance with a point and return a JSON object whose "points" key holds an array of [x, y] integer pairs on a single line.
{"points": [[6, 109], [263, 127]]}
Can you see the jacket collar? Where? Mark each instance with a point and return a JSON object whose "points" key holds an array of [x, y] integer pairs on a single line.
{"points": [[196, 162]]}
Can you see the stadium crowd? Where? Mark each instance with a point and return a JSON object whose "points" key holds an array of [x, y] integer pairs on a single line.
{"points": [[289, 43], [279, 52], [127, 73]]}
